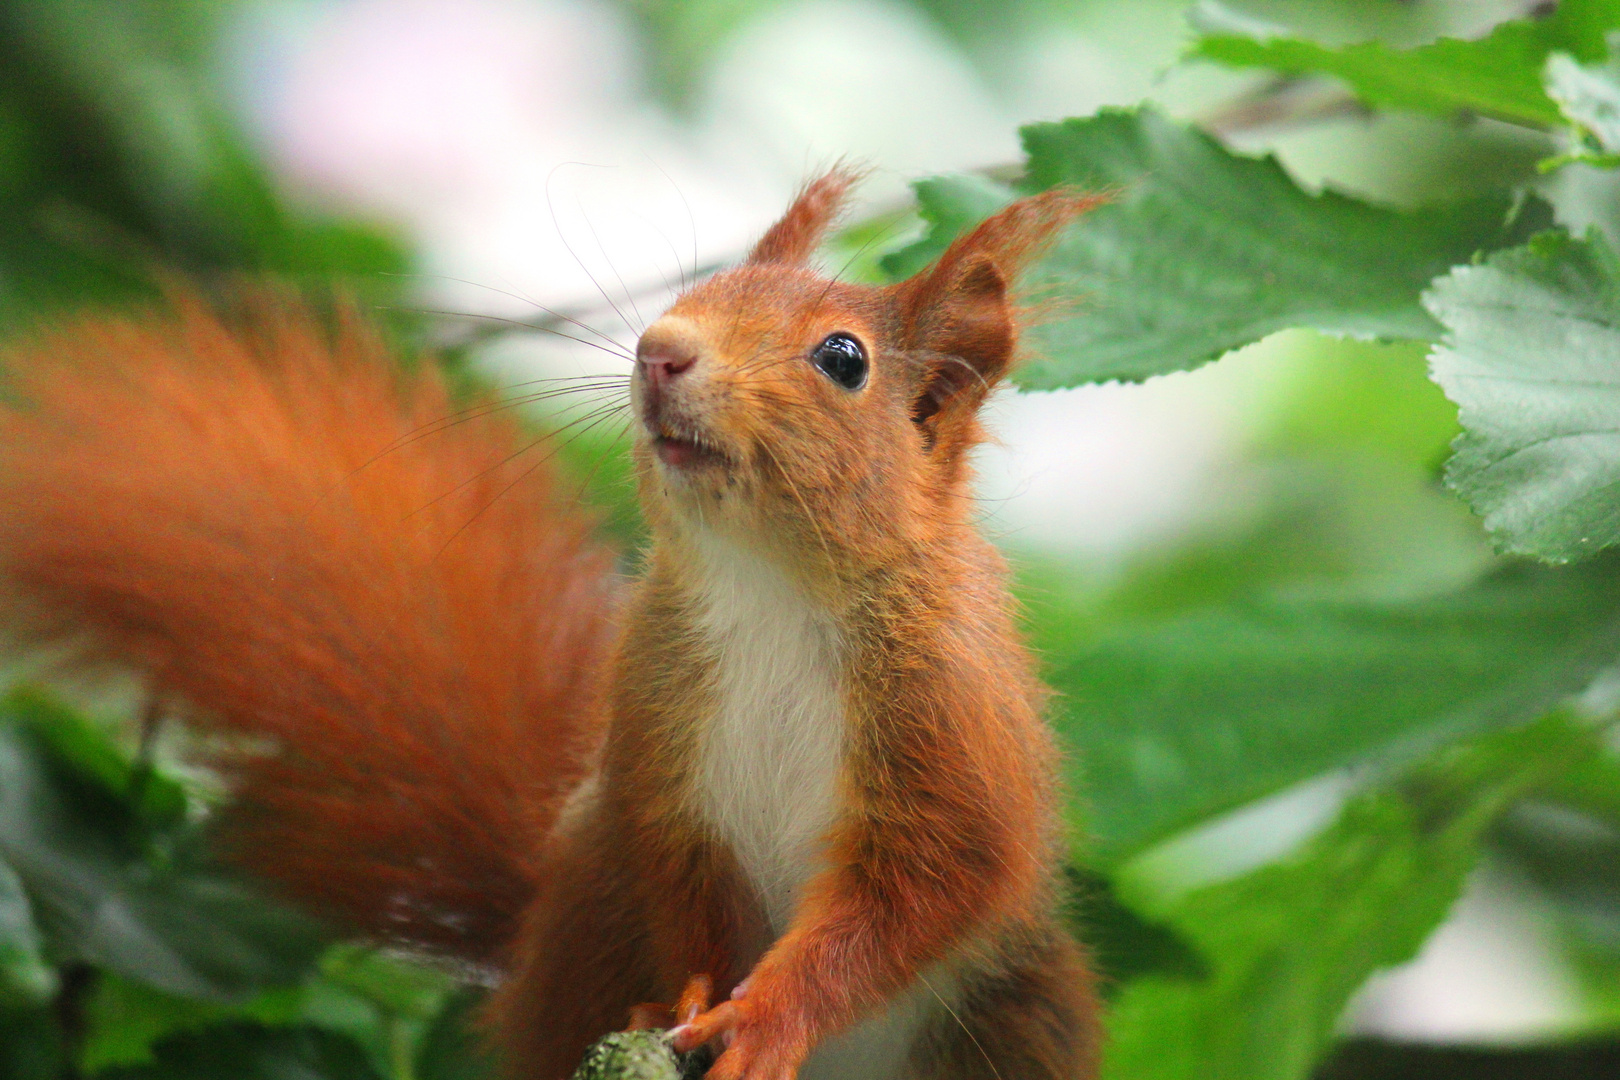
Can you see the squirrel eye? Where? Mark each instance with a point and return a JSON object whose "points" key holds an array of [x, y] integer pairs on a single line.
{"points": [[842, 360]]}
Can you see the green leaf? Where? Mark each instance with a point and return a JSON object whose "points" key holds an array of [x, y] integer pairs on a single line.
{"points": [[685, 35], [1575, 859], [1203, 251], [406, 989], [1531, 356], [1499, 75], [1588, 95], [25, 978], [31, 1045], [1288, 944], [124, 1020], [110, 889], [253, 1052], [1174, 722], [1593, 789], [950, 205], [452, 1048], [1122, 944], [388, 1007], [85, 748]]}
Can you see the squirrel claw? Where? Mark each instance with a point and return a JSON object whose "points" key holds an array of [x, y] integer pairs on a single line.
{"points": [[694, 999], [719, 1021], [655, 1017]]}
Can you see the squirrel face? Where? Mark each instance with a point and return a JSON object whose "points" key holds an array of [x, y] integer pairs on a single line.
{"points": [[827, 418]]}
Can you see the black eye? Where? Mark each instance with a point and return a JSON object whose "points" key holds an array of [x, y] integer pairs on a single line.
{"points": [[842, 360]]}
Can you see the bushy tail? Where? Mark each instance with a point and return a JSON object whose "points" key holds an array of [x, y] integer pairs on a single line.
{"points": [[370, 581]]}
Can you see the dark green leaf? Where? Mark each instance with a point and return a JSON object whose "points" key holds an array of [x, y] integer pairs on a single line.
{"points": [[1575, 858], [1374, 1059], [382, 1005], [1498, 75], [1174, 722], [1203, 251], [253, 1052], [1288, 944], [402, 988], [94, 758], [25, 978], [110, 890], [30, 1045], [452, 1048], [123, 1021], [1124, 945], [1531, 356]]}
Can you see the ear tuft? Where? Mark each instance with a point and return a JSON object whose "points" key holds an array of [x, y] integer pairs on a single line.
{"points": [[960, 319], [794, 238], [1015, 236]]}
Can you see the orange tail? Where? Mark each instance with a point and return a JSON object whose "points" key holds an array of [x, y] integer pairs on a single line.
{"points": [[298, 545]]}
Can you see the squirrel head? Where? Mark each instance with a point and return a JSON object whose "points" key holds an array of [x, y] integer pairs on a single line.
{"points": [[827, 417]]}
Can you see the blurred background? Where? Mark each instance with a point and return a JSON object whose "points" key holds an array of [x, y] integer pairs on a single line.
{"points": [[468, 165]]}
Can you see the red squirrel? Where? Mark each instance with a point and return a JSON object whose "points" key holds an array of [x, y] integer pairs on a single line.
{"points": [[800, 759]]}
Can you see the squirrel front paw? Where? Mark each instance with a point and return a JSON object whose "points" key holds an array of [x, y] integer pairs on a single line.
{"points": [[694, 1000], [758, 1044]]}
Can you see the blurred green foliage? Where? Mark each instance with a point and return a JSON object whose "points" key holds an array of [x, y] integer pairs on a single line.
{"points": [[119, 166], [1355, 625]]}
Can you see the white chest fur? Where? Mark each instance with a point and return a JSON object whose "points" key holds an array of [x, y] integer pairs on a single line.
{"points": [[772, 748], [771, 753]]}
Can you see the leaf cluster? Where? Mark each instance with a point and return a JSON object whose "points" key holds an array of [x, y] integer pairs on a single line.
{"points": [[127, 951], [1443, 716]]}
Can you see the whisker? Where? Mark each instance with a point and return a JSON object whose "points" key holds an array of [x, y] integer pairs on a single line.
{"points": [[680, 271], [513, 456], [975, 372], [631, 300], [524, 475], [691, 221], [560, 316], [965, 1029], [765, 361], [475, 412], [881, 234], [429, 430], [551, 207], [620, 432], [613, 349]]}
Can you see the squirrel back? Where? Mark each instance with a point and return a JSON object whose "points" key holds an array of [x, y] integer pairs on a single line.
{"points": [[370, 586]]}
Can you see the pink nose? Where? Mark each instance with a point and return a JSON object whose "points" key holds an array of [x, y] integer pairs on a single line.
{"points": [[662, 367]]}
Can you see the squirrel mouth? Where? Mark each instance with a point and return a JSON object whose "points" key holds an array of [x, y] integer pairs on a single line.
{"points": [[683, 453]]}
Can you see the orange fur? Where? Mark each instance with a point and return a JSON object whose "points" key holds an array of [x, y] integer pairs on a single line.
{"points": [[195, 511], [224, 517]]}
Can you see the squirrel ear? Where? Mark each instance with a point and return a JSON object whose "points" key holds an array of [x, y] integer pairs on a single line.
{"points": [[795, 236], [962, 324], [964, 340]]}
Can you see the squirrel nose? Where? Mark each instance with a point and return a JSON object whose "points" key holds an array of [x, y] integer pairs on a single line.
{"points": [[663, 366]]}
